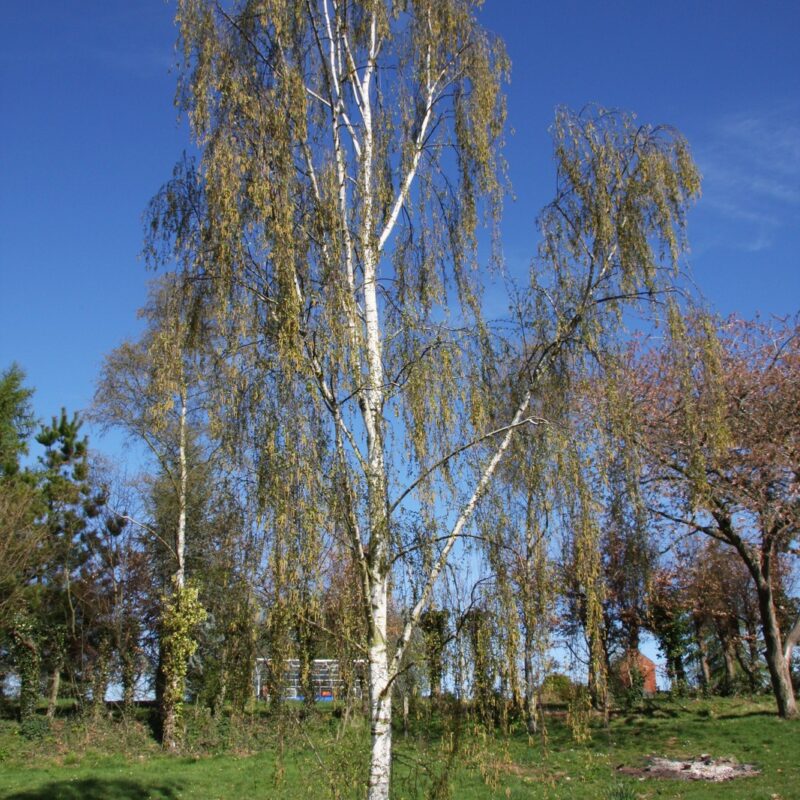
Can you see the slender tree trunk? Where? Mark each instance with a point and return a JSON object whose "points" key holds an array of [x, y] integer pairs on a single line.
{"points": [[82, 685], [54, 686], [729, 658], [779, 674], [100, 679], [776, 661], [371, 402], [173, 683], [128, 682], [517, 702], [180, 534], [634, 636], [678, 669], [702, 655], [599, 671], [380, 699], [530, 685], [372, 412], [745, 667], [57, 665], [169, 727], [459, 679], [219, 703]]}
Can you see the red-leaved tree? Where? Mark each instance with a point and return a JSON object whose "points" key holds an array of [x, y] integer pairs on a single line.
{"points": [[719, 427]]}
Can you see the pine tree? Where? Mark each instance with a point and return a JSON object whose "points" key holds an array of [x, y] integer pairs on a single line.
{"points": [[72, 508], [16, 419]]}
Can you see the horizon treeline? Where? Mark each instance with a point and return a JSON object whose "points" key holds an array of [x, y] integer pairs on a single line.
{"points": [[90, 551]]}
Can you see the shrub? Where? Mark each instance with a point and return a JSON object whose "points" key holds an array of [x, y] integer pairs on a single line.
{"points": [[34, 727], [557, 687]]}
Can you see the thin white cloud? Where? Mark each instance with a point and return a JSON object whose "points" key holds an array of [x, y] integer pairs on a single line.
{"points": [[751, 168]]}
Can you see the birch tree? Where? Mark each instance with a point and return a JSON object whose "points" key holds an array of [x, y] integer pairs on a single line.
{"points": [[348, 152], [153, 390], [330, 223]]}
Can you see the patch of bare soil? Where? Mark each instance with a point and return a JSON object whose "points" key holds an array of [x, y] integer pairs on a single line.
{"points": [[702, 768]]}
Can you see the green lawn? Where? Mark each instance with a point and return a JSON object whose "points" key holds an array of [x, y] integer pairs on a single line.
{"points": [[267, 758]]}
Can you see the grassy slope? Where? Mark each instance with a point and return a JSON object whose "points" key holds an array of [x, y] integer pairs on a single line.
{"points": [[114, 761]]}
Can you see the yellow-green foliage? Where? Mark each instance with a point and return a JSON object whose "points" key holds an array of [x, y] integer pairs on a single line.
{"points": [[180, 616], [27, 658], [695, 355]]}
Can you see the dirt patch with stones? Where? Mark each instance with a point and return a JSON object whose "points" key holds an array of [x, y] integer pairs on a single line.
{"points": [[702, 768]]}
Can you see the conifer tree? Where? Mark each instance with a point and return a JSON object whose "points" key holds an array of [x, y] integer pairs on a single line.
{"points": [[20, 499], [73, 506], [16, 419]]}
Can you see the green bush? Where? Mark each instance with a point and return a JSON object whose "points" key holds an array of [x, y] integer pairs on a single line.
{"points": [[627, 684], [34, 727], [557, 687]]}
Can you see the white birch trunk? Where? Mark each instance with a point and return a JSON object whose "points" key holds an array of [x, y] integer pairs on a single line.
{"points": [[180, 533], [375, 559], [380, 697], [372, 411], [169, 732]]}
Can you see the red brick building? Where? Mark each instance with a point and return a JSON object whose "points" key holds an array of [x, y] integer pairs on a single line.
{"points": [[635, 661]]}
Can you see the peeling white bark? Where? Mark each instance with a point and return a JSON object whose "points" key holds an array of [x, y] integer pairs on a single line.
{"points": [[380, 697], [180, 533], [363, 239]]}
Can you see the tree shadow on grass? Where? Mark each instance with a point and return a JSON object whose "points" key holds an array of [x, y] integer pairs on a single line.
{"points": [[97, 789], [745, 714]]}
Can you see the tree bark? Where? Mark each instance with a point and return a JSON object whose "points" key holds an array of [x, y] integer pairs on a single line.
{"points": [[100, 679], [729, 658], [128, 682], [380, 699], [702, 655], [530, 686], [55, 685], [371, 403], [180, 533], [776, 662], [760, 569], [173, 684], [169, 727]]}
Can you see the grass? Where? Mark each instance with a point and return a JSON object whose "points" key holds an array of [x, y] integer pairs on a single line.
{"points": [[273, 757]]}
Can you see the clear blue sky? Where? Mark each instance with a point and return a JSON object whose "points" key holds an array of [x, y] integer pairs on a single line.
{"points": [[90, 132]]}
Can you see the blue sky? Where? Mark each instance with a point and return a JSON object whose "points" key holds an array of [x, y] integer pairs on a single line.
{"points": [[90, 132]]}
